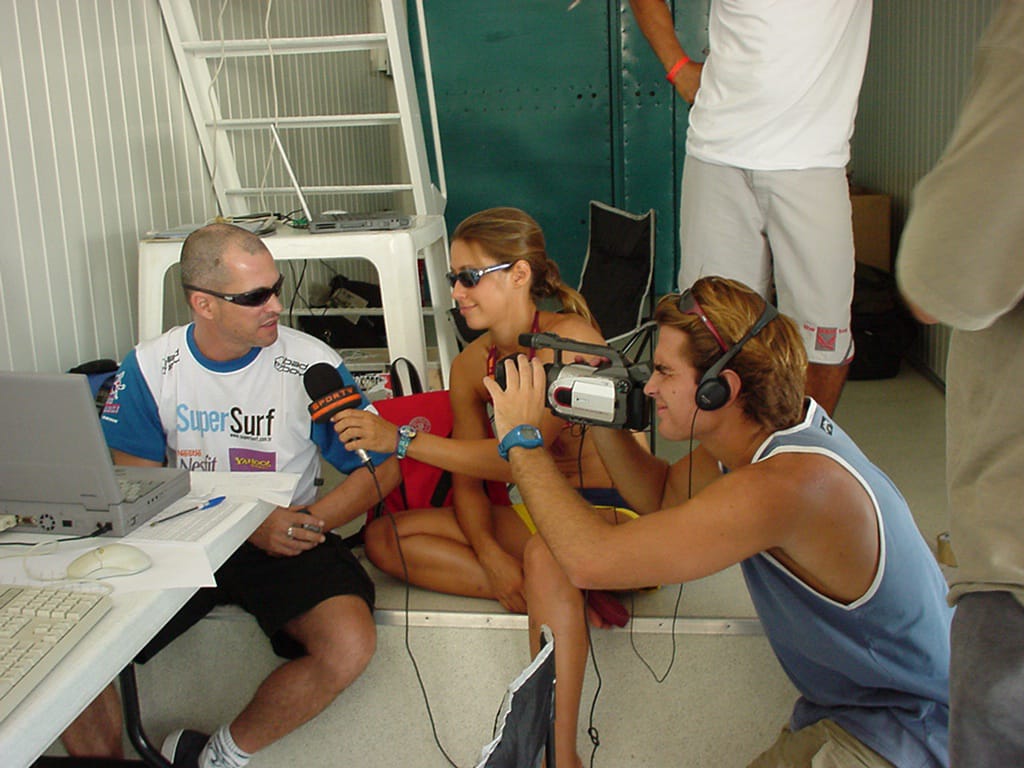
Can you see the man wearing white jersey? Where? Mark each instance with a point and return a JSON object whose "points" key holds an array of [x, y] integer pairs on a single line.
{"points": [[764, 192], [226, 393]]}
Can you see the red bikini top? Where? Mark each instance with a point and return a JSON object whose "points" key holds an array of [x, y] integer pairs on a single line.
{"points": [[492, 353]]}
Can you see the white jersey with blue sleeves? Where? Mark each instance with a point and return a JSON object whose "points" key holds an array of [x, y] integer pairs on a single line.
{"points": [[170, 402]]}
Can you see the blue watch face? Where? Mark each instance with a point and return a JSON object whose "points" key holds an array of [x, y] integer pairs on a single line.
{"points": [[528, 432], [523, 436]]}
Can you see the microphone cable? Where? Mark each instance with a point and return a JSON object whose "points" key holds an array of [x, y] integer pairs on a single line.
{"points": [[380, 511]]}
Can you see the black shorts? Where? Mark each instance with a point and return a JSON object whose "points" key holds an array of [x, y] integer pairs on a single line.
{"points": [[274, 590]]}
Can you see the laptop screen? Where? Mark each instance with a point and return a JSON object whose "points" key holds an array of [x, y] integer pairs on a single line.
{"points": [[53, 448]]}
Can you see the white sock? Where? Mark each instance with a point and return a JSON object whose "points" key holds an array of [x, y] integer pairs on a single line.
{"points": [[222, 752]]}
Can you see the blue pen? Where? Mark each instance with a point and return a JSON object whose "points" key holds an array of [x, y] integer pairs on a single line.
{"points": [[205, 505]]}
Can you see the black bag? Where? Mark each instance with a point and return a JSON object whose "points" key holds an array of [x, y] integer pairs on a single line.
{"points": [[348, 332], [881, 325]]}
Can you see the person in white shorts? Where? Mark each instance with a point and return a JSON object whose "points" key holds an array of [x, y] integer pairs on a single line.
{"points": [[764, 192]]}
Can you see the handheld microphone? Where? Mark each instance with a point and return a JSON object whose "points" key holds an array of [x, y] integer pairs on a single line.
{"points": [[330, 395]]}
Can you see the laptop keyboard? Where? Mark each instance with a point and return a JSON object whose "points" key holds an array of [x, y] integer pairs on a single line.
{"points": [[38, 627], [133, 490]]}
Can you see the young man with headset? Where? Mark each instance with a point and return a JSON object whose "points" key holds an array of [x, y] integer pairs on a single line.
{"points": [[848, 592]]}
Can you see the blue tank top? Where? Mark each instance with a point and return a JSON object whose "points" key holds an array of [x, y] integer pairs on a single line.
{"points": [[879, 667]]}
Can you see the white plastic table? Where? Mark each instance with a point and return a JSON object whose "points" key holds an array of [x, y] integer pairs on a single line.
{"points": [[395, 255]]}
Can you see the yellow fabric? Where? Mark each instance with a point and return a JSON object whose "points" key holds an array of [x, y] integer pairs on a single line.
{"points": [[524, 515]]}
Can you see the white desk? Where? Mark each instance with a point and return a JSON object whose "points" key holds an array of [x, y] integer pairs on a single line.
{"points": [[109, 647], [394, 254]]}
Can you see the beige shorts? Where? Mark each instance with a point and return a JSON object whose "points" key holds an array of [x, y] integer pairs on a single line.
{"points": [[822, 745], [787, 229]]}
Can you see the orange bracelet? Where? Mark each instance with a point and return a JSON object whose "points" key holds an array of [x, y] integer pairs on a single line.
{"points": [[674, 72]]}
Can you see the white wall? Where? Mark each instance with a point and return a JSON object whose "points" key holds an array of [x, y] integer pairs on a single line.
{"points": [[919, 65], [96, 147]]}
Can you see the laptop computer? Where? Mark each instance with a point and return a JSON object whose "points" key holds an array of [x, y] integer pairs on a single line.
{"points": [[56, 474], [340, 221]]}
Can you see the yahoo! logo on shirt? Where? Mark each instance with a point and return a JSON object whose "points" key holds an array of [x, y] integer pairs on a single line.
{"points": [[245, 460], [235, 421]]}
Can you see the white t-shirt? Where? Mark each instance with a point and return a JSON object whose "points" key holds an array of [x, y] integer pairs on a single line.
{"points": [[780, 85]]}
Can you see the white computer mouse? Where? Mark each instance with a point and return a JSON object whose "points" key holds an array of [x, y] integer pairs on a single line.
{"points": [[109, 560]]}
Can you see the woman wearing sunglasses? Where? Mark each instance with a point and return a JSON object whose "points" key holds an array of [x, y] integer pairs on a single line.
{"points": [[500, 275]]}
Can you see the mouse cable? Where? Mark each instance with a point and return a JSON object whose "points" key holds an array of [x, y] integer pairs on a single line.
{"points": [[100, 530]]}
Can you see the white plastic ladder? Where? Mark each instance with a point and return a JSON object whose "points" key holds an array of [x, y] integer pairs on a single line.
{"points": [[195, 56]]}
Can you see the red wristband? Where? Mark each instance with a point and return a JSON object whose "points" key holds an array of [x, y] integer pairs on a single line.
{"points": [[674, 72]]}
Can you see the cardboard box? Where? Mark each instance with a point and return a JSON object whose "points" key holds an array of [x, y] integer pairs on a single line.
{"points": [[872, 229]]}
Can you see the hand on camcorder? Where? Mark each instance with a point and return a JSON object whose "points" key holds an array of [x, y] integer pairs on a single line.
{"points": [[521, 400]]}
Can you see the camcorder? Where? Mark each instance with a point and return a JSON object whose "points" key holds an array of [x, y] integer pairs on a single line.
{"points": [[608, 395]]}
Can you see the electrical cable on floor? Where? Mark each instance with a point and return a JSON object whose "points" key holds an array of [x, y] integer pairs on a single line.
{"points": [[408, 647], [659, 679], [592, 731]]}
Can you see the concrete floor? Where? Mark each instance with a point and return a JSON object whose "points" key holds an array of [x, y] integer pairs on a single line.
{"points": [[723, 701]]}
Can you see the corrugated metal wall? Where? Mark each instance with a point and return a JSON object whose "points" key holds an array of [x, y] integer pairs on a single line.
{"points": [[917, 73], [97, 147]]}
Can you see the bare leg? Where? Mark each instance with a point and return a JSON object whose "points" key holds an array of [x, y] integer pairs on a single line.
{"points": [[554, 601], [340, 637], [97, 731], [825, 384], [437, 554]]}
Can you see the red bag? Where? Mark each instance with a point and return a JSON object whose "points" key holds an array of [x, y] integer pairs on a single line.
{"points": [[424, 485]]}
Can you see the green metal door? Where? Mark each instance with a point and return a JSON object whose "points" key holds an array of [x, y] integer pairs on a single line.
{"points": [[546, 109]]}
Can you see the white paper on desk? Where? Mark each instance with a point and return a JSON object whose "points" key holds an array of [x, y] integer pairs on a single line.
{"points": [[275, 488], [175, 564]]}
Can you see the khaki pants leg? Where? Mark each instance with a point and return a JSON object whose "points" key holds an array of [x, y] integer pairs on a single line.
{"points": [[822, 745]]}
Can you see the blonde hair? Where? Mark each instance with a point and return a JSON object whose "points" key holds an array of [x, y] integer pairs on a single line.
{"points": [[509, 235], [772, 365]]}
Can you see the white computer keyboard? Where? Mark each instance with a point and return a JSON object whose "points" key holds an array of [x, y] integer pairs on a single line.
{"points": [[38, 627]]}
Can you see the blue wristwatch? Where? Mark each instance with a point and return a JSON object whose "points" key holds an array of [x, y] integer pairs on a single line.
{"points": [[405, 435], [523, 436]]}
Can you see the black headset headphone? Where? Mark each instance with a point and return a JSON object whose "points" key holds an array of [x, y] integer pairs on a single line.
{"points": [[713, 390]]}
